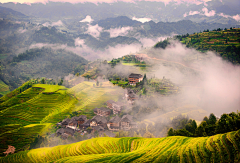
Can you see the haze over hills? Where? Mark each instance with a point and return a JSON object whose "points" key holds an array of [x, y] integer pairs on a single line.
{"points": [[137, 71]]}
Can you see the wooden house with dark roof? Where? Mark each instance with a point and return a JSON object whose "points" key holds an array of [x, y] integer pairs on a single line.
{"points": [[81, 119], [97, 128], [85, 125], [98, 121], [134, 78], [65, 122], [72, 123], [65, 132], [114, 123], [102, 111], [127, 122], [130, 96]]}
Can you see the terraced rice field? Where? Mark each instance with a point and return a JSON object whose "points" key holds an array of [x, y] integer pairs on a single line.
{"points": [[218, 148], [90, 97], [24, 115]]}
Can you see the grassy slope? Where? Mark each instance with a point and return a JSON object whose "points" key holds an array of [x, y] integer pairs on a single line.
{"points": [[218, 148], [24, 115], [90, 97], [4, 89]]}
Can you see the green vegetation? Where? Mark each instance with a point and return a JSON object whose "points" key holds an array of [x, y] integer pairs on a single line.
{"points": [[226, 42], [31, 110], [4, 89], [90, 97], [129, 60], [43, 62], [218, 148], [208, 127]]}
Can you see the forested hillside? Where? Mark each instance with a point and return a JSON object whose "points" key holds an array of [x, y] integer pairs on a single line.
{"points": [[43, 62]]}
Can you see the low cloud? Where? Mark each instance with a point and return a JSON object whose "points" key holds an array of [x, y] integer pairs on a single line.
{"points": [[208, 14], [58, 23], [191, 13], [204, 10], [150, 42], [142, 20], [88, 19], [205, 79], [236, 17], [94, 30], [114, 32]]}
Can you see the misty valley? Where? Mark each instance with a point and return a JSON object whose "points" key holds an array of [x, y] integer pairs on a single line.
{"points": [[139, 81]]}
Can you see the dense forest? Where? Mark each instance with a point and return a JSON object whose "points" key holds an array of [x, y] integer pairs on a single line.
{"points": [[209, 126]]}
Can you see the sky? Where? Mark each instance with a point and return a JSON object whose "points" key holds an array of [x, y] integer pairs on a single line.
{"points": [[99, 1]]}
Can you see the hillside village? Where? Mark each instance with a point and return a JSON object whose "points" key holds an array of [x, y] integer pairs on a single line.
{"points": [[100, 122]]}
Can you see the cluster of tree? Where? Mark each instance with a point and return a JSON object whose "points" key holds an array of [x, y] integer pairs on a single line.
{"points": [[208, 127], [162, 44]]}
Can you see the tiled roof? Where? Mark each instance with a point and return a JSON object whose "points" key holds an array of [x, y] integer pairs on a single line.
{"points": [[104, 109], [115, 119], [99, 118], [132, 75], [126, 118]]}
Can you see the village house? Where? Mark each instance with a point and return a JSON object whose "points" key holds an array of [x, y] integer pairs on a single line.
{"points": [[102, 111], [134, 78], [125, 123], [81, 119], [72, 124], [85, 125], [115, 106], [65, 132], [114, 123], [130, 96], [98, 121], [65, 122]]}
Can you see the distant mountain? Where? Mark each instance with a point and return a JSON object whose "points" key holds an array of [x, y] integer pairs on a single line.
{"points": [[120, 21], [106, 41], [7, 13], [157, 11]]}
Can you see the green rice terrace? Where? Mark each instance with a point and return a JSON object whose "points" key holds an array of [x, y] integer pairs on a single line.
{"points": [[226, 42], [90, 97], [31, 110], [217, 148]]}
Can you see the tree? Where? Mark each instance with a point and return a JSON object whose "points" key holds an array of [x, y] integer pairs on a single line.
{"points": [[212, 119], [200, 131], [43, 81], [170, 132], [205, 119]]}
